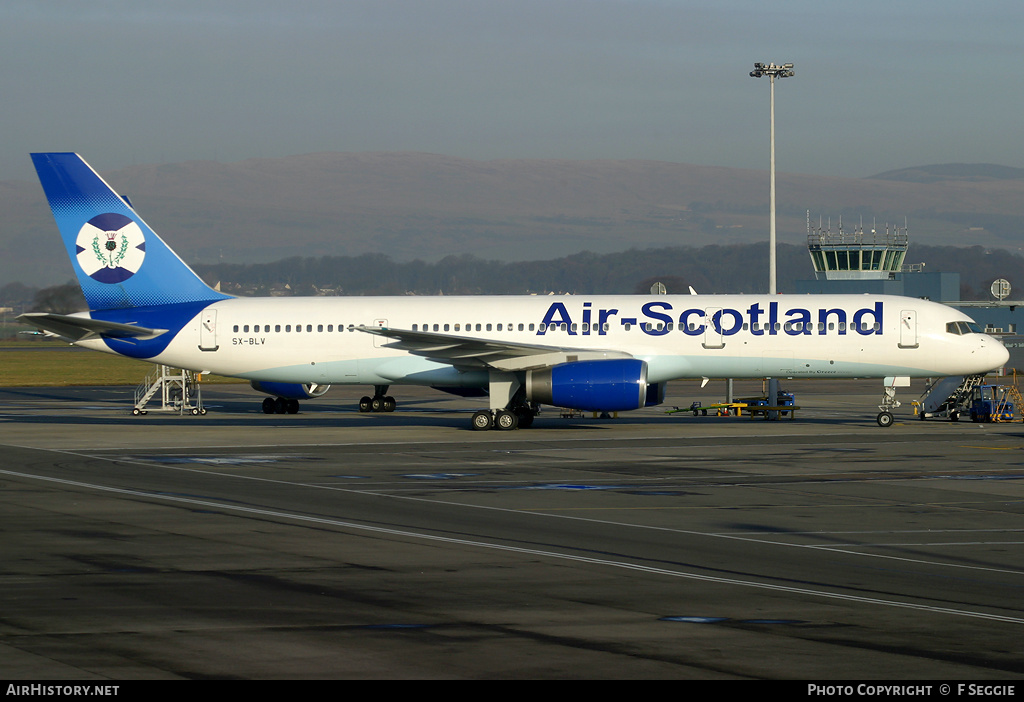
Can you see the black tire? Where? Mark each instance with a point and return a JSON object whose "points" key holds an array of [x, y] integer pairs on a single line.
{"points": [[884, 419], [482, 421], [505, 420]]}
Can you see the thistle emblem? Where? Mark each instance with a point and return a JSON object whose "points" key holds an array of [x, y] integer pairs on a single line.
{"points": [[111, 248]]}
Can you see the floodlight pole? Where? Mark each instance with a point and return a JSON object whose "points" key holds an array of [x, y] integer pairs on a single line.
{"points": [[772, 71]]}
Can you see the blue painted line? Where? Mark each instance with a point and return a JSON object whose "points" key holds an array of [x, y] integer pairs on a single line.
{"points": [[438, 476], [695, 620]]}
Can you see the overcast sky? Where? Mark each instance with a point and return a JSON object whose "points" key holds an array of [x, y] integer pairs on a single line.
{"points": [[879, 85]]}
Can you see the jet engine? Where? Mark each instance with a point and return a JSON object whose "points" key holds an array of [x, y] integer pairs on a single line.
{"points": [[596, 386]]}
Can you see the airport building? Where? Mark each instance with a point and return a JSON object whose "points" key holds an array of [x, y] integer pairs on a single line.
{"points": [[874, 262]]}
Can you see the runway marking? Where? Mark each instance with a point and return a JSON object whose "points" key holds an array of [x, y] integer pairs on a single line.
{"points": [[526, 551], [546, 513]]}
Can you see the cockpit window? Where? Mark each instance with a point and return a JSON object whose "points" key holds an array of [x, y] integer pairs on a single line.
{"points": [[963, 328]]}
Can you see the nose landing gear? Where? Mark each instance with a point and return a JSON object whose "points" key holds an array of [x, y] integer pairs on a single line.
{"points": [[889, 401]]}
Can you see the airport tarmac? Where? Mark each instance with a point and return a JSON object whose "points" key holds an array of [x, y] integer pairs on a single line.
{"points": [[333, 544]]}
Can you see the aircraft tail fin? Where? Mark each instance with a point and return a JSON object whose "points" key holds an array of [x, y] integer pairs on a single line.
{"points": [[120, 262]]}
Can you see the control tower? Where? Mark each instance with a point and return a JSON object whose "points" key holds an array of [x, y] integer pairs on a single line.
{"points": [[858, 255]]}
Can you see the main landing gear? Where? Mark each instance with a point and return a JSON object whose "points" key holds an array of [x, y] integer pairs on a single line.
{"points": [[379, 402], [280, 405], [519, 417], [509, 407]]}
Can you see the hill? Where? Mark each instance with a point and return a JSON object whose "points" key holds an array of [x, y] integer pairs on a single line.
{"points": [[411, 206], [962, 172]]}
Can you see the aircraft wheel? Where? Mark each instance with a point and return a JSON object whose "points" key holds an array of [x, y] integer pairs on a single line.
{"points": [[280, 406], [526, 420], [954, 416], [884, 419], [291, 406], [482, 420], [389, 404], [365, 404], [268, 405], [505, 420], [377, 404]]}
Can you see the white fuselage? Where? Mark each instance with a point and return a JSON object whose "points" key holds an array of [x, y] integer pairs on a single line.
{"points": [[317, 340]]}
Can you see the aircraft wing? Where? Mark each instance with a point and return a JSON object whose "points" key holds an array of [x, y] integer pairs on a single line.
{"points": [[472, 353], [75, 328]]}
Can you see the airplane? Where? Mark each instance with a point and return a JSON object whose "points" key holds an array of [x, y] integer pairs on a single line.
{"points": [[601, 353]]}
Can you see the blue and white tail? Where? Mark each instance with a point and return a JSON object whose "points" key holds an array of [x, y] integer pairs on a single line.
{"points": [[120, 262]]}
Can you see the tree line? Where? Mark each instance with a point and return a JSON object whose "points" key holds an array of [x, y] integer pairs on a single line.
{"points": [[740, 268]]}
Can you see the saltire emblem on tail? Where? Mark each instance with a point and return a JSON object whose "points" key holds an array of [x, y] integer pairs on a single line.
{"points": [[111, 248]]}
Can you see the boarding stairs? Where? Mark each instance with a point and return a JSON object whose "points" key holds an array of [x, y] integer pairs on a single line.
{"points": [[948, 397], [177, 388]]}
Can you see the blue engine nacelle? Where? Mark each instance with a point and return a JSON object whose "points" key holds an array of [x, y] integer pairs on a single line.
{"points": [[290, 391], [655, 394], [596, 386]]}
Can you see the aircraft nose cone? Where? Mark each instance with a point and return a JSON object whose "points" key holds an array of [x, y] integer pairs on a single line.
{"points": [[995, 354], [1001, 353]]}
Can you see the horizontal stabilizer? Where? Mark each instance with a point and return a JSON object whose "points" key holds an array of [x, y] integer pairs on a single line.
{"points": [[74, 328]]}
